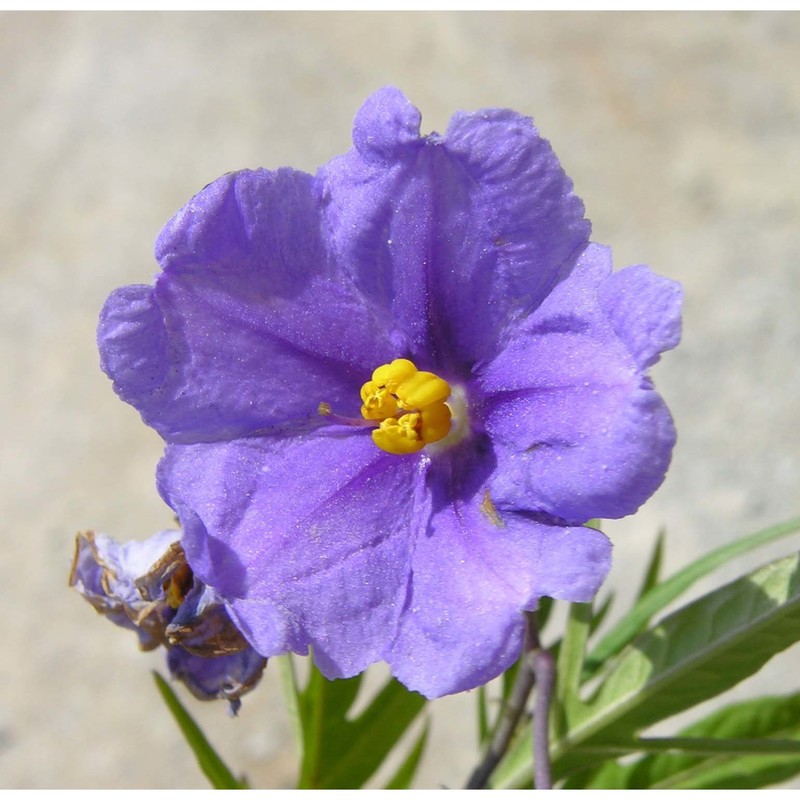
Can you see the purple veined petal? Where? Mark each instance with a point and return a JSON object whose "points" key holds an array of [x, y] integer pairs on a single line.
{"points": [[466, 252], [456, 235], [474, 573], [308, 540], [249, 325], [577, 429]]}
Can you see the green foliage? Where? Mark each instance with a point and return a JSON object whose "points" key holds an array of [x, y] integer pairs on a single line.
{"points": [[405, 774], [652, 574], [213, 767], [658, 597], [343, 753], [698, 652], [483, 715], [570, 663], [743, 746]]}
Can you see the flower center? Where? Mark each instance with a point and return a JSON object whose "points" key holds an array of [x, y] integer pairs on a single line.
{"points": [[409, 406]]}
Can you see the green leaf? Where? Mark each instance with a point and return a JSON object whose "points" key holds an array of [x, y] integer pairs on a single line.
{"points": [[570, 659], [405, 774], [322, 705], [601, 613], [696, 653], [509, 679], [340, 753], [653, 572], [291, 693], [543, 611], [213, 767], [483, 715], [746, 772], [747, 745], [662, 595]]}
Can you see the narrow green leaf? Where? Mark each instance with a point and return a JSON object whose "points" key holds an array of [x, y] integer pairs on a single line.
{"points": [[696, 653], [601, 613], [340, 753], [213, 767], [662, 595], [352, 757], [743, 772], [653, 573], [747, 745], [543, 611], [570, 657], [709, 747], [323, 705], [588, 778], [483, 715], [404, 776], [291, 693]]}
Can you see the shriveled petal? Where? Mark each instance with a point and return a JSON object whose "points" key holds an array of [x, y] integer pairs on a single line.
{"points": [[249, 324], [203, 626], [477, 225], [105, 572], [309, 540], [577, 428], [220, 677], [473, 574]]}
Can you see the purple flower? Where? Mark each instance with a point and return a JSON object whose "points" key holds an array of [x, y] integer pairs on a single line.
{"points": [[148, 587], [393, 392]]}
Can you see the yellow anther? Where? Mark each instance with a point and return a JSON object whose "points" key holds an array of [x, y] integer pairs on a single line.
{"points": [[391, 375], [435, 422], [379, 402], [399, 436], [422, 389], [399, 387]]}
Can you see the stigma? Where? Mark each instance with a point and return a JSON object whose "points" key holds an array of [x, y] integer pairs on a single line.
{"points": [[408, 406]]}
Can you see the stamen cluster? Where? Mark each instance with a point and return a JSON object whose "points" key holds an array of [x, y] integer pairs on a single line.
{"points": [[410, 405]]}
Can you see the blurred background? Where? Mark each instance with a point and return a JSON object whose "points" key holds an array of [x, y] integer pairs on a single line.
{"points": [[682, 134]]}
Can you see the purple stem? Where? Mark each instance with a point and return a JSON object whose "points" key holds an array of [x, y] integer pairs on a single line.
{"points": [[536, 665]]}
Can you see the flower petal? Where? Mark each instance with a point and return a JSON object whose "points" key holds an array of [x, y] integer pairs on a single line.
{"points": [[202, 625], [477, 225], [309, 539], [645, 311], [225, 677], [473, 575], [577, 428], [249, 325], [106, 573]]}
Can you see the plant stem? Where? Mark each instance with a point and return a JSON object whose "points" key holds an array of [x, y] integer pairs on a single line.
{"points": [[512, 710], [544, 669]]}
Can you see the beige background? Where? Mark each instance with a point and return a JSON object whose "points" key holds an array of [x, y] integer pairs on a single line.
{"points": [[681, 133]]}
